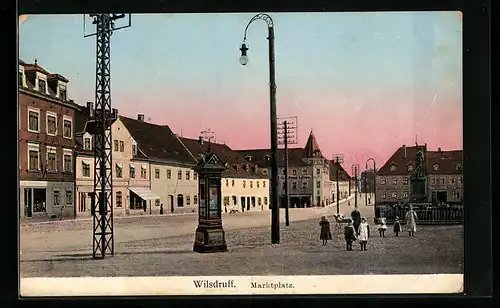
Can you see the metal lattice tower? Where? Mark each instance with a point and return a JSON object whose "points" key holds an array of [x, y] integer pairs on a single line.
{"points": [[102, 197]]}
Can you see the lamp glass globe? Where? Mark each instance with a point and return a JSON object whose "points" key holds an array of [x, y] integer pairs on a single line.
{"points": [[243, 60]]}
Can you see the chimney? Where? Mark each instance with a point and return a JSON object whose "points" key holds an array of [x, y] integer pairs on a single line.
{"points": [[115, 113], [90, 107], [404, 151], [201, 140], [140, 117]]}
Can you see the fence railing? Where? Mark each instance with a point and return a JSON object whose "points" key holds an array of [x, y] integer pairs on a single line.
{"points": [[432, 215]]}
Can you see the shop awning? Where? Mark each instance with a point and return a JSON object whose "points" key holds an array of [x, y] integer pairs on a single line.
{"points": [[144, 193]]}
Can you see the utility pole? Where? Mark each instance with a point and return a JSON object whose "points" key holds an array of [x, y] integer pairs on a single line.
{"points": [[287, 135], [103, 117], [355, 168], [339, 158]]}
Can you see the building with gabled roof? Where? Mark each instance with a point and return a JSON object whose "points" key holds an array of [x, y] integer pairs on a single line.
{"points": [[46, 144], [245, 186], [308, 177], [442, 170], [338, 174]]}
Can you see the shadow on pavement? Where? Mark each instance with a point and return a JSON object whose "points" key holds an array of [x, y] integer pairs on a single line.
{"points": [[88, 256]]}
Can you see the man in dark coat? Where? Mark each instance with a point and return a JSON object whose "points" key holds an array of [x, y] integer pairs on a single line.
{"points": [[356, 219]]}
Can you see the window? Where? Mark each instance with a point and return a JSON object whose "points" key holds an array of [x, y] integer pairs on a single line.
{"points": [[294, 185], [69, 197], [405, 180], [264, 171], [318, 171], [86, 144], [251, 184], [62, 92], [143, 172], [169, 174], [42, 85], [452, 180], [157, 202], [21, 79], [195, 199], [118, 170], [435, 167], [56, 197], [393, 168], [383, 196], [232, 183], [433, 180], [458, 167], [443, 180], [283, 171], [195, 176], [179, 175], [382, 181], [122, 146], [259, 201], [157, 173], [258, 184], [68, 133], [67, 166], [33, 157], [118, 199], [460, 180], [304, 171], [115, 143], [294, 171], [394, 195], [244, 183], [227, 183], [264, 184], [51, 123], [405, 194], [394, 181], [457, 195], [134, 149], [51, 159], [86, 169], [33, 120], [265, 200], [318, 184], [131, 171], [188, 175], [410, 168], [188, 200], [304, 184]]}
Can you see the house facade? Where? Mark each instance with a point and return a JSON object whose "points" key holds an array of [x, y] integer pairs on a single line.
{"points": [[245, 187], [443, 170], [46, 144], [336, 169], [308, 173]]}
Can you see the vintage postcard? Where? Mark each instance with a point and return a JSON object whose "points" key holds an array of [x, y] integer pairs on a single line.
{"points": [[240, 153]]}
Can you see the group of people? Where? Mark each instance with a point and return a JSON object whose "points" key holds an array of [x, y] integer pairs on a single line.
{"points": [[357, 228]]}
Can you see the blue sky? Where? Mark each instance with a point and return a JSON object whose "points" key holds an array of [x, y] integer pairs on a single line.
{"points": [[332, 70]]}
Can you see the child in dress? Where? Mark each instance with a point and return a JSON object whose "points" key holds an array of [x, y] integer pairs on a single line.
{"points": [[325, 234], [364, 233], [397, 226], [382, 226], [349, 234]]}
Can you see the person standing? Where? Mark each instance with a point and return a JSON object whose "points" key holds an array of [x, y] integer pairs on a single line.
{"points": [[364, 233], [382, 226], [397, 226], [356, 219], [411, 221], [325, 233], [349, 235]]}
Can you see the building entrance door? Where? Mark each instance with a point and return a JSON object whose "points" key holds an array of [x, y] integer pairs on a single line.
{"points": [[242, 204], [28, 202], [180, 200], [442, 196], [39, 200], [171, 198]]}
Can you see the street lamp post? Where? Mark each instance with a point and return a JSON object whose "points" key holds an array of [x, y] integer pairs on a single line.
{"points": [[275, 222], [339, 158], [374, 180]]}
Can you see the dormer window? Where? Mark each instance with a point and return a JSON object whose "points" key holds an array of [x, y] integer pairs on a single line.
{"points": [[21, 83], [435, 167], [42, 85], [134, 149], [410, 168], [86, 144], [459, 167], [267, 157], [62, 92], [393, 168]]}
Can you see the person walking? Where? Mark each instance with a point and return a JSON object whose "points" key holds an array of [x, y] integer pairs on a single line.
{"points": [[364, 234], [325, 233], [397, 226], [349, 235], [411, 221]]}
